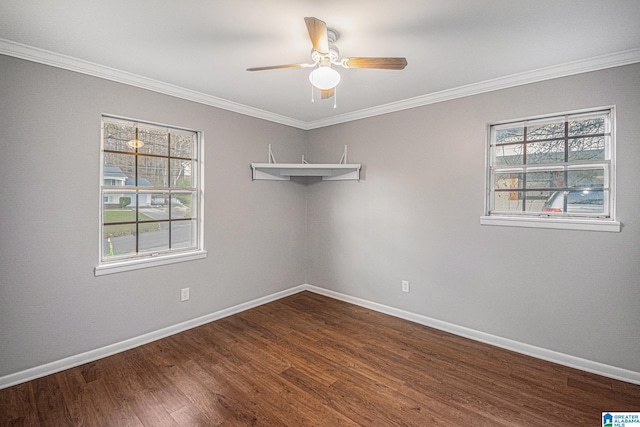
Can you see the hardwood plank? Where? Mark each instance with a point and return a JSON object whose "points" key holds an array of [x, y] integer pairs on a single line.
{"points": [[150, 411], [193, 385], [18, 406], [297, 407], [50, 403], [309, 360], [252, 405], [157, 383], [81, 407]]}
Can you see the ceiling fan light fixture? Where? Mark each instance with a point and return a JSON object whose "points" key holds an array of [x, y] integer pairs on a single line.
{"points": [[324, 78]]}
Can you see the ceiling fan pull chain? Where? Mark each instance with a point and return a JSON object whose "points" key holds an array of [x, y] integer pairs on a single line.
{"points": [[312, 100], [335, 97]]}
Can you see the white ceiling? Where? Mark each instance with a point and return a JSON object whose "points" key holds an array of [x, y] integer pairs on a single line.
{"points": [[199, 49]]}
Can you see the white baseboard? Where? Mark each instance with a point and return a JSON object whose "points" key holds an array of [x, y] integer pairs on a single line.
{"points": [[540, 353], [99, 353], [519, 347]]}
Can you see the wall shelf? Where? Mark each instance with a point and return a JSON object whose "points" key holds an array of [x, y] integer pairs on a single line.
{"points": [[284, 171]]}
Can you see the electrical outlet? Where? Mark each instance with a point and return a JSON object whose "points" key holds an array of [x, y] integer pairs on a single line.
{"points": [[184, 294], [405, 286]]}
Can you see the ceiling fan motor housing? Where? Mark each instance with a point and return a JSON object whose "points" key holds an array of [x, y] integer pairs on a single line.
{"points": [[326, 59]]}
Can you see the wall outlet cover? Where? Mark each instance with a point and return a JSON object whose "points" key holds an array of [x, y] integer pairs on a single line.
{"points": [[405, 286]]}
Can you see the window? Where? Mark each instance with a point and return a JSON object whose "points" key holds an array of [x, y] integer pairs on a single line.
{"points": [[150, 193], [553, 172]]}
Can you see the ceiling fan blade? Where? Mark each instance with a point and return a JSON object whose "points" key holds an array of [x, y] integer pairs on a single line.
{"points": [[277, 67], [318, 34], [328, 93], [381, 63]]}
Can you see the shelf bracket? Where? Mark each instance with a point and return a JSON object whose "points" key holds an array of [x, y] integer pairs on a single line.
{"points": [[272, 159], [343, 159]]}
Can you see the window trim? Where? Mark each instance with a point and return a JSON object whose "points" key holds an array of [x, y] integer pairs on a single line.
{"points": [[532, 220], [157, 258], [553, 223], [136, 264]]}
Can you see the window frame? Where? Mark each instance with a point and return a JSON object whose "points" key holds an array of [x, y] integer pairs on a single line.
{"points": [[523, 218], [162, 257]]}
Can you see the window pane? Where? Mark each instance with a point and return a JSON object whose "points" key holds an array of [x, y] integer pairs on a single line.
{"points": [[118, 207], [545, 179], [152, 171], [183, 144], [118, 240], [508, 155], [157, 207], [545, 130], [117, 136], [183, 205], [155, 140], [545, 152], [183, 234], [508, 135], [181, 173], [153, 237], [143, 201], [587, 148], [585, 197], [508, 180], [577, 202], [513, 201], [587, 125], [586, 178], [118, 169], [507, 201], [160, 200], [148, 211], [536, 200]]}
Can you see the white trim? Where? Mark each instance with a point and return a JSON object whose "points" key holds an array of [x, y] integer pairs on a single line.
{"points": [[520, 219], [563, 224], [530, 350], [161, 258], [519, 347], [602, 62], [139, 263], [99, 353], [42, 56], [616, 59]]}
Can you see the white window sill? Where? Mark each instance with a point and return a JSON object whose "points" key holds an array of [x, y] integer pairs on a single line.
{"points": [[136, 264], [557, 223]]}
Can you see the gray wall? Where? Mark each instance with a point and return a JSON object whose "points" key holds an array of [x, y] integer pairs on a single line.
{"points": [[415, 216], [51, 305]]}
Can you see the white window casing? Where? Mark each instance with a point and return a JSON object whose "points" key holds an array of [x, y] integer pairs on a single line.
{"points": [[554, 171], [151, 195]]}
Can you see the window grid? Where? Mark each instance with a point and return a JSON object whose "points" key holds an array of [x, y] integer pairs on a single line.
{"points": [[512, 178], [141, 225]]}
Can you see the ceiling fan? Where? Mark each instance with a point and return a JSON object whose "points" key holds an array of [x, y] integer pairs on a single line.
{"points": [[325, 54]]}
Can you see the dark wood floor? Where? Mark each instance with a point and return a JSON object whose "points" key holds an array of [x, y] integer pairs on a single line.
{"points": [[308, 360]]}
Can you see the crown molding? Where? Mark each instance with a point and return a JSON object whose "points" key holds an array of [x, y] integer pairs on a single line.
{"points": [[612, 60], [30, 53], [46, 57]]}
